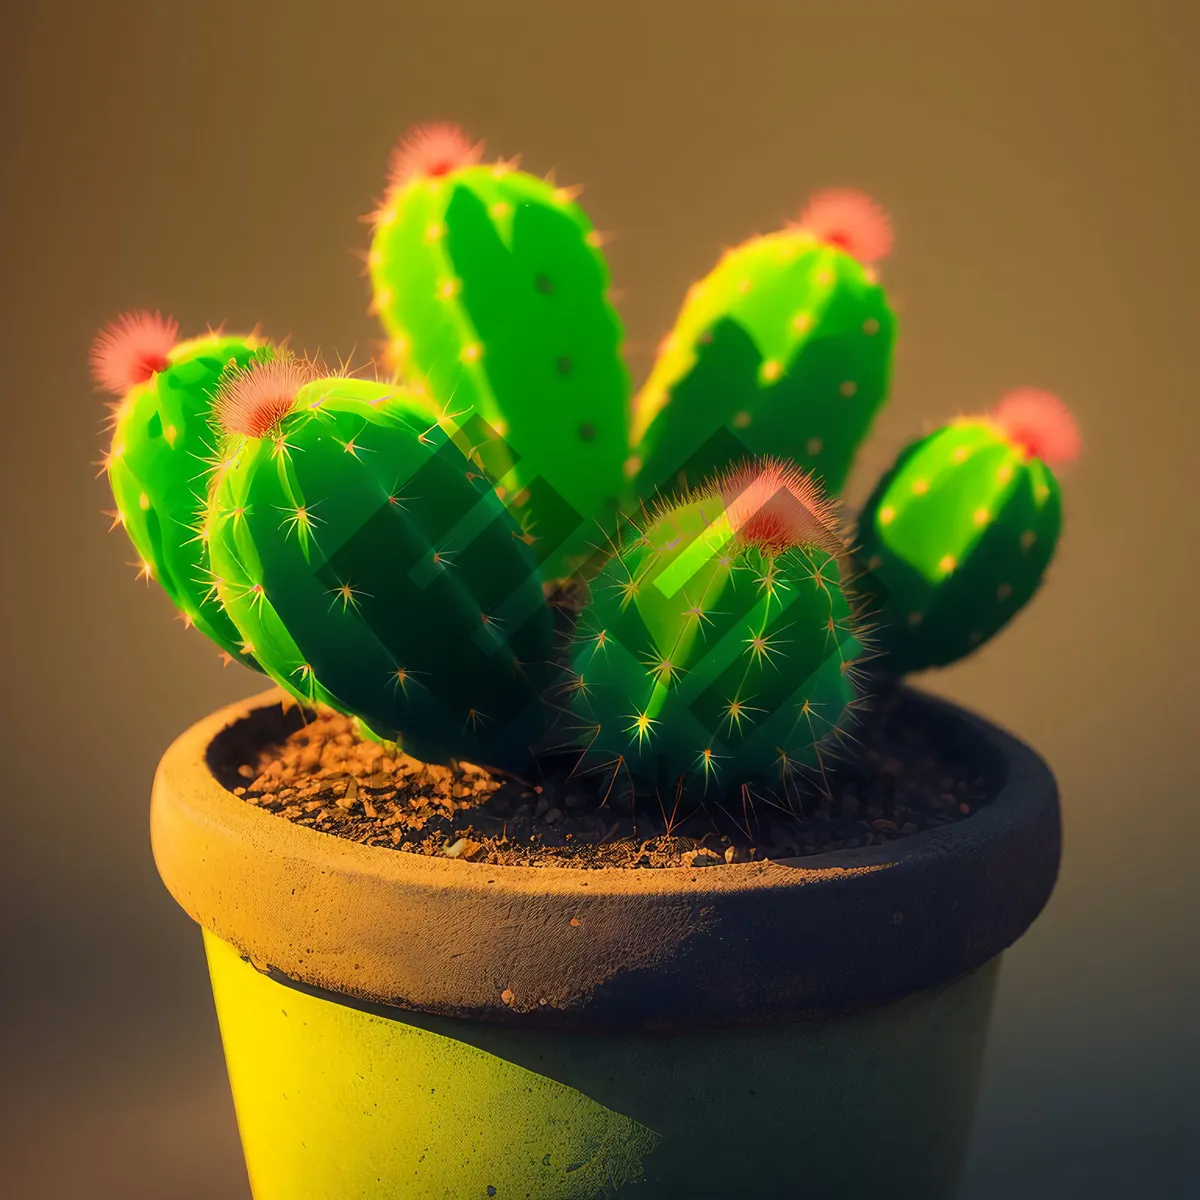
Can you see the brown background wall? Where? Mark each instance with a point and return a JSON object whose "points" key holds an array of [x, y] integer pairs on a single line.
{"points": [[1039, 159]]}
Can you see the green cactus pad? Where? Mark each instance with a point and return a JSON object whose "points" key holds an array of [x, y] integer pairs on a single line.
{"points": [[956, 538], [704, 658], [372, 568], [492, 292], [785, 348], [158, 461]]}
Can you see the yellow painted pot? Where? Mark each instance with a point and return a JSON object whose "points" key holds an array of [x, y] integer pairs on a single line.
{"points": [[397, 1026]]}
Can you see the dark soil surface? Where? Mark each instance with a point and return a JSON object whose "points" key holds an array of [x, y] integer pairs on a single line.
{"points": [[317, 772]]}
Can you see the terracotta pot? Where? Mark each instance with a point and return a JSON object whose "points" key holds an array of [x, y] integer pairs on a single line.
{"points": [[400, 1026]]}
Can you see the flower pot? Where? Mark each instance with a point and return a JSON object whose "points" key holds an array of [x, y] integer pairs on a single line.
{"points": [[398, 1025]]}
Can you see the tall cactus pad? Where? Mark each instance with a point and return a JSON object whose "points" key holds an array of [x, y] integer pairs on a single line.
{"points": [[161, 448], [372, 568], [958, 534], [492, 291], [720, 644], [785, 348]]}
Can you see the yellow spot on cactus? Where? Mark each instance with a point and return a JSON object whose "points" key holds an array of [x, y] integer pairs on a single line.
{"points": [[802, 322], [744, 285], [501, 169], [1005, 473], [374, 258], [500, 425], [920, 487], [595, 239], [848, 388], [887, 515], [449, 288], [961, 454], [915, 618], [144, 502], [171, 433], [771, 369], [1004, 591], [814, 446], [741, 419], [383, 298], [947, 564], [1041, 492], [982, 516], [471, 353], [1027, 539], [386, 217], [501, 208], [435, 232], [694, 293], [633, 465], [641, 728], [870, 326]]}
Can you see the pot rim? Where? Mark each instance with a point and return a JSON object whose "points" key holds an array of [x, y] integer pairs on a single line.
{"points": [[611, 948]]}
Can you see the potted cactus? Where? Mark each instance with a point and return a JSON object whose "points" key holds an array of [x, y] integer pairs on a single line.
{"points": [[589, 842]]}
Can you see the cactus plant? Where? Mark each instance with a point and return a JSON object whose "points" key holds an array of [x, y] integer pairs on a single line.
{"points": [[957, 535], [784, 348], [371, 566], [157, 461], [383, 547], [720, 645], [492, 291]]}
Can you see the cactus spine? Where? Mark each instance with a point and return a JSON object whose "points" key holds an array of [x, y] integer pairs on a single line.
{"points": [[957, 535], [372, 568], [157, 461], [784, 348], [492, 291], [720, 643]]}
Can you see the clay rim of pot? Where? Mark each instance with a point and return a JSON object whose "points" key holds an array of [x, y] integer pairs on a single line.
{"points": [[668, 949]]}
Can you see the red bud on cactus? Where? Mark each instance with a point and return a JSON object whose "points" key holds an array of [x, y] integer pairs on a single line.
{"points": [[850, 220], [1040, 423], [427, 151], [129, 350], [776, 505], [255, 398]]}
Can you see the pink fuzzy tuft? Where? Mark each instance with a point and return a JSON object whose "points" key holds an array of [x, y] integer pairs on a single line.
{"points": [[850, 220], [253, 400], [775, 505], [129, 350], [1039, 422], [427, 151]]}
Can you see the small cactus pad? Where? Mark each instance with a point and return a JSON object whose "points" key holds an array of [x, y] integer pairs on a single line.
{"points": [[958, 534], [785, 348], [720, 644], [492, 291], [371, 567], [157, 461]]}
